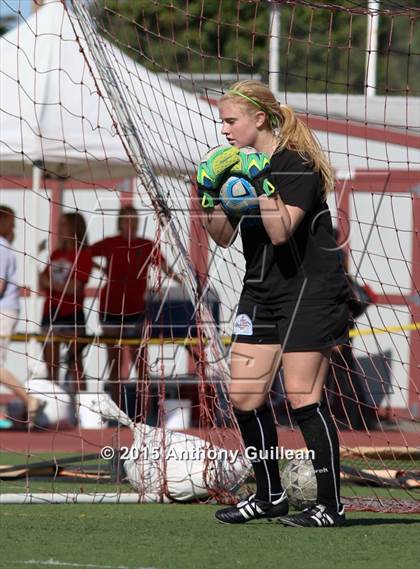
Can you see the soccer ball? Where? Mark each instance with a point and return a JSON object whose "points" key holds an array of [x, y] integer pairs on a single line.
{"points": [[299, 481], [238, 197]]}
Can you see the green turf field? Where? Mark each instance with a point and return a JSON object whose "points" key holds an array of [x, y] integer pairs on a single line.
{"points": [[187, 536]]}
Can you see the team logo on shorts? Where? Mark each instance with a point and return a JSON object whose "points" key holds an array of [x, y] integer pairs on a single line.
{"points": [[243, 325]]}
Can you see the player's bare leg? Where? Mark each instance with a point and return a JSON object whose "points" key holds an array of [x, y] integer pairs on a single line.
{"points": [[114, 372], [139, 356], [304, 376], [253, 368], [76, 366], [33, 405], [52, 359]]}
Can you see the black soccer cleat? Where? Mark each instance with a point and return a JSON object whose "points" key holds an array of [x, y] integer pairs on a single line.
{"points": [[253, 509], [315, 517]]}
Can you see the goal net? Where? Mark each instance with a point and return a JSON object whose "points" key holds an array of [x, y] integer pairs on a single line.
{"points": [[108, 105]]}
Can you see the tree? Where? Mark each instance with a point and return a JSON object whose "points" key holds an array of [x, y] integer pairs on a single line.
{"points": [[323, 47], [189, 36], [6, 22]]}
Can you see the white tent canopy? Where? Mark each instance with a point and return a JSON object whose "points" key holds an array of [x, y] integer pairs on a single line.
{"points": [[397, 113], [52, 119], [51, 113], [50, 110]]}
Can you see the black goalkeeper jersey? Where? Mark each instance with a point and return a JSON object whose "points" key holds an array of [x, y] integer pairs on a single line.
{"points": [[307, 266]]}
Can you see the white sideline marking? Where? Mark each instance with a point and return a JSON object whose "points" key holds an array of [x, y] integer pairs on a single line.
{"points": [[56, 563]]}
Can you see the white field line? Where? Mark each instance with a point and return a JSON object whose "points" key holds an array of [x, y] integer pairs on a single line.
{"points": [[56, 563]]}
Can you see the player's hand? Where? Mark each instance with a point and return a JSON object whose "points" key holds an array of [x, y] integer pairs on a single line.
{"points": [[208, 198], [255, 166], [213, 169]]}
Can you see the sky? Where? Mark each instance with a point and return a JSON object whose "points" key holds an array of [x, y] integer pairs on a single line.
{"points": [[11, 8]]}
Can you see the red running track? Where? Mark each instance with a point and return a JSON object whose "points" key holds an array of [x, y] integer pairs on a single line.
{"points": [[82, 441]]}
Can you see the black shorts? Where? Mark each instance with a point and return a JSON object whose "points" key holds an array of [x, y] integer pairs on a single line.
{"points": [[122, 325], [68, 325], [312, 327]]}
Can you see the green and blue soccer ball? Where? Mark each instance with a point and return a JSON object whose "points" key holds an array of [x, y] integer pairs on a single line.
{"points": [[238, 197], [232, 170]]}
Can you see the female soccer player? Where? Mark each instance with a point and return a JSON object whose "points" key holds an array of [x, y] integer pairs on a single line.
{"points": [[9, 315], [293, 307], [122, 299], [63, 281]]}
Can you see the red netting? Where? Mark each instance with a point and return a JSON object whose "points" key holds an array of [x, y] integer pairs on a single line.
{"points": [[113, 105]]}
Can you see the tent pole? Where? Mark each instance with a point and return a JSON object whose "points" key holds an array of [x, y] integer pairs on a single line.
{"points": [[32, 275], [33, 244], [372, 47], [274, 49]]}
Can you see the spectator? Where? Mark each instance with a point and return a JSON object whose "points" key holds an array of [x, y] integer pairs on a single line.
{"points": [[352, 405], [122, 299], [9, 310], [64, 281]]}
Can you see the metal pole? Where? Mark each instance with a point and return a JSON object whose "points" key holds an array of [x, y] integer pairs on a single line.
{"points": [[372, 47], [32, 246], [35, 366], [74, 498], [274, 49]]}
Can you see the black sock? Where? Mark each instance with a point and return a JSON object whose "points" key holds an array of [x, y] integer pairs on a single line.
{"points": [[320, 435], [259, 431]]}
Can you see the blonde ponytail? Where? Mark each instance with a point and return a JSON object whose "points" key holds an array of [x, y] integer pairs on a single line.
{"points": [[295, 135], [290, 131]]}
